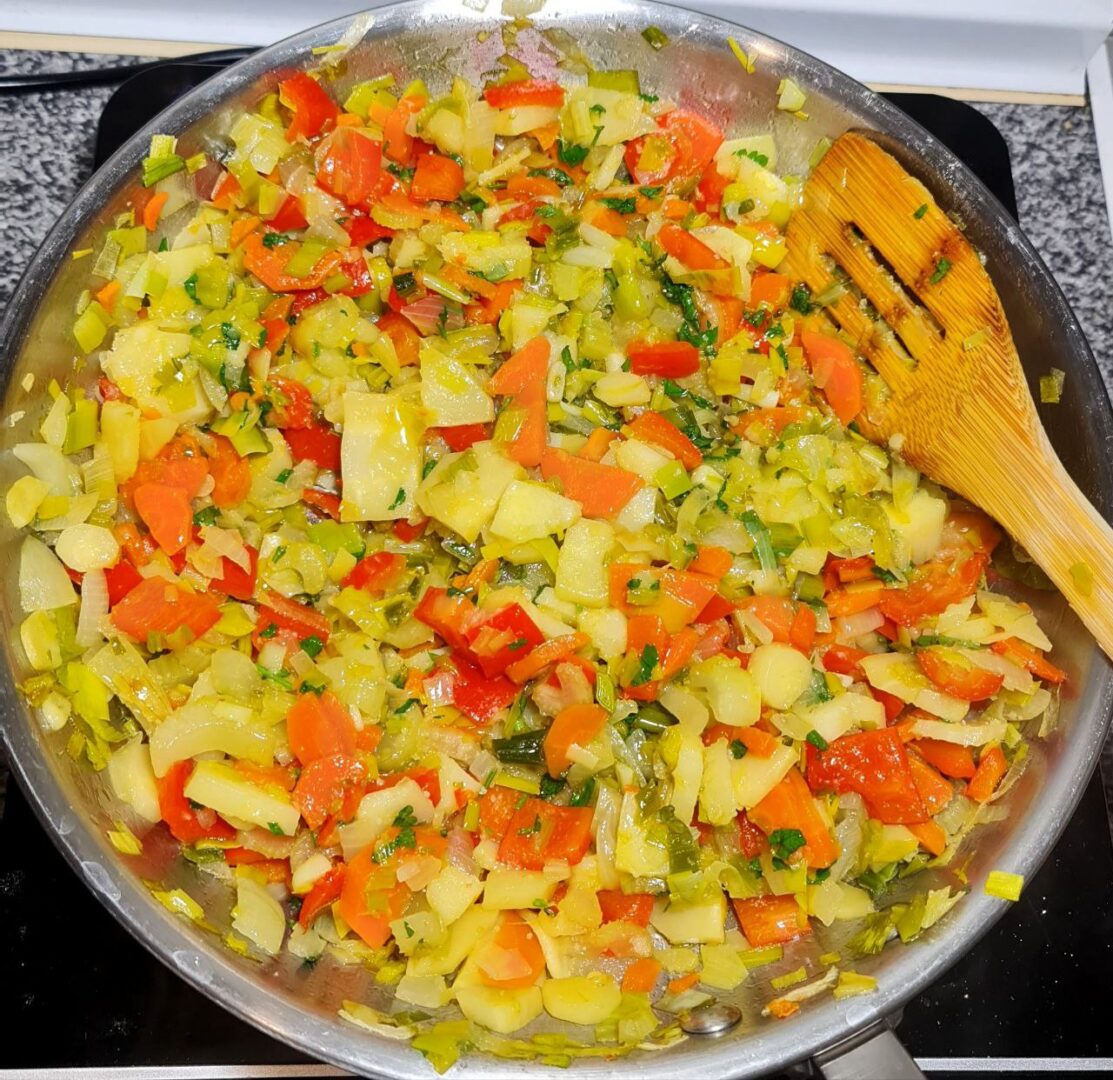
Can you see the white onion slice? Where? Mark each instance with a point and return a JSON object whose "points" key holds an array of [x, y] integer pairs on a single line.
{"points": [[94, 607]]}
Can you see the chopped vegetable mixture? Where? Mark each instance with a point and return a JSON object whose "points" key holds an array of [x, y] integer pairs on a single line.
{"points": [[455, 533]]}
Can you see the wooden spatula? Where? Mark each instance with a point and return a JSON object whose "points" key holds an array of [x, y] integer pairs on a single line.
{"points": [[935, 331]]}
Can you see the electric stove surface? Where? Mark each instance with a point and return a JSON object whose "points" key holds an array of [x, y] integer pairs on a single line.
{"points": [[81, 998]]}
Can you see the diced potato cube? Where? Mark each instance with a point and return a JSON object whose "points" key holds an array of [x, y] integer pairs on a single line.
{"points": [[463, 491], [529, 511], [509, 890], [233, 796], [582, 999], [581, 570], [754, 777], [451, 392], [503, 1011], [607, 630], [731, 690], [782, 674], [381, 457], [690, 924]]}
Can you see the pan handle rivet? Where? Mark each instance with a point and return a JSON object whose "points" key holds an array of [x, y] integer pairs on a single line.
{"points": [[714, 1018]]}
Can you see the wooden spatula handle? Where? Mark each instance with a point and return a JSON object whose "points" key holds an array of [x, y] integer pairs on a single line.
{"points": [[1043, 508]]}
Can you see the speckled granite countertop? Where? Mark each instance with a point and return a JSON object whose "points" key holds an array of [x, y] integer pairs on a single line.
{"points": [[46, 151]]}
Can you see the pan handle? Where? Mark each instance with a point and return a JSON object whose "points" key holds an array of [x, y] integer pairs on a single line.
{"points": [[874, 1054]]}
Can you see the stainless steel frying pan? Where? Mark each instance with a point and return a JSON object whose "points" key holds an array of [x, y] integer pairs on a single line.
{"points": [[435, 40]]}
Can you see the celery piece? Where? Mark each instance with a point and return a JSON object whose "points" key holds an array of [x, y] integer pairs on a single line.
{"points": [[604, 691], [81, 426], [1003, 885], [306, 257], [768, 954], [363, 95], [446, 289], [1051, 386], [655, 38], [791, 978], [332, 536], [90, 327], [851, 984], [241, 428], [622, 80]]}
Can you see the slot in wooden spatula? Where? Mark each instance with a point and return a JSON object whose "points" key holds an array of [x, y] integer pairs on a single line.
{"points": [[935, 330]]}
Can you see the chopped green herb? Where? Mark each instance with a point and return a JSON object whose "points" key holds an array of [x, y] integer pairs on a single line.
{"points": [[920, 211], [399, 499], [277, 239], [208, 516], [283, 476], [941, 269], [558, 176], [655, 37], [737, 749], [275, 828], [312, 645], [571, 153], [646, 663], [406, 705], [621, 206], [783, 842], [817, 740]]}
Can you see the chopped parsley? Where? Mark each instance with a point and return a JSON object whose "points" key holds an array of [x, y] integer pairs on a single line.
{"points": [[529, 830], [571, 153], [646, 663], [312, 645], [621, 206], [283, 476], [737, 749], [941, 269], [783, 843], [207, 516], [920, 211], [399, 499], [277, 239], [754, 155], [558, 176], [275, 828], [817, 740]]}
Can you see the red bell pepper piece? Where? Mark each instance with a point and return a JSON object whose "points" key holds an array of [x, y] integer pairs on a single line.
{"points": [[539, 832], [506, 636], [956, 675], [437, 178], [292, 622], [349, 165], [875, 765], [450, 616], [184, 822], [462, 436], [319, 444], [289, 217], [326, 889], [376, 573], [525, 92], [934, 587], [618, 906], [669, 359], [311, 106], [158, 606], [322, 783], [121, 579], [478, 697], [291, 403], [320, 727], [234, 579]]}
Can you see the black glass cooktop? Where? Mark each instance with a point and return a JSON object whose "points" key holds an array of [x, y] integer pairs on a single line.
{"points": [[80, 998]]}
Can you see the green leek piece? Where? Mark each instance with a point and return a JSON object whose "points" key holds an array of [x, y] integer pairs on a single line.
{"points": [[446, 289], [623, 80], [673, 480], [90, 327], [655, 37], [241, 429], [763, 543], [332, 536], [363, 95], [156, 169], [307, 257], [81, 426]]}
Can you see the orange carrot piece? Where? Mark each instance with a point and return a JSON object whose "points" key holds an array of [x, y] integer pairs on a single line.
{"points": [[550, 652], [578, 724], [153, 209]]}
